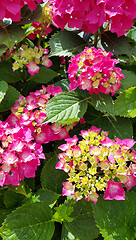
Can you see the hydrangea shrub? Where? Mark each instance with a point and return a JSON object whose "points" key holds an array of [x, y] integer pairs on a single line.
{"points": [[67, 119]]}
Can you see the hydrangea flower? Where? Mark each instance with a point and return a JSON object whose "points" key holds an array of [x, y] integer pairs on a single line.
{"points": [[19, 155], [12, 8], [31, 57], [30, 112], [89, 15], [82, 14], [94, 70], [97, 163]]}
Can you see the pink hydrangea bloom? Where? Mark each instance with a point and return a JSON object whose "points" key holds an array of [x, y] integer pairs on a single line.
{"points": [[90, 15], [30, 112], [94, 70], [95, 164], [19, 155]]}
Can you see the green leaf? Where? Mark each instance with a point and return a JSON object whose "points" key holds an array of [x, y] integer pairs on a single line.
{"points": [[117, 45], [65, 43], [132, 34], [84, 226], [129, 81], [65, 235], [3, 48], [32, 221], [3, 214], [11, 35], [13, 199], [52, 178], [29, 16], [16, 34], [64, 84], [44, 75], [3, 89], [19, 189], [66, 108], [9, 100], [125, 105], [115, 126], [7, 74], [4, 37], [116, 219], [48, 196], [103, 103], [92, 114]]}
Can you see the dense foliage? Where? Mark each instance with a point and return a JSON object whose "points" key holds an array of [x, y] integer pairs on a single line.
{"points": [[67, 119]]}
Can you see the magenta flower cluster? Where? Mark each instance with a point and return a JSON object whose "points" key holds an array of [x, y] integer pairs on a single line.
{"points": [[94, 70], [12, 8], [96, 164], [30, 112], [19, 155], [22, 134], [89, 15]]}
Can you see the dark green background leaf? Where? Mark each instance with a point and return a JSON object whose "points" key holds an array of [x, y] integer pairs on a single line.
{"points": [[13, 199], [65, 43], [125, 105], [9, 100], [11, 35], [52, 178], [84, 226], [67, 235], [129, 81], [7, 74], [116, 45], [48, 196], [116, 219], [103, 103], [44, 75], [118, 127], [3, 89], [32, 221]]}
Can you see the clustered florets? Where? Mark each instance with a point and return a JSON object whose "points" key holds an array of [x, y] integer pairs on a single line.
{"points": [[19, 155], [96, 164], [31, 57], [22, 134], [94, 70], [30, 112], [89, 15]]}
